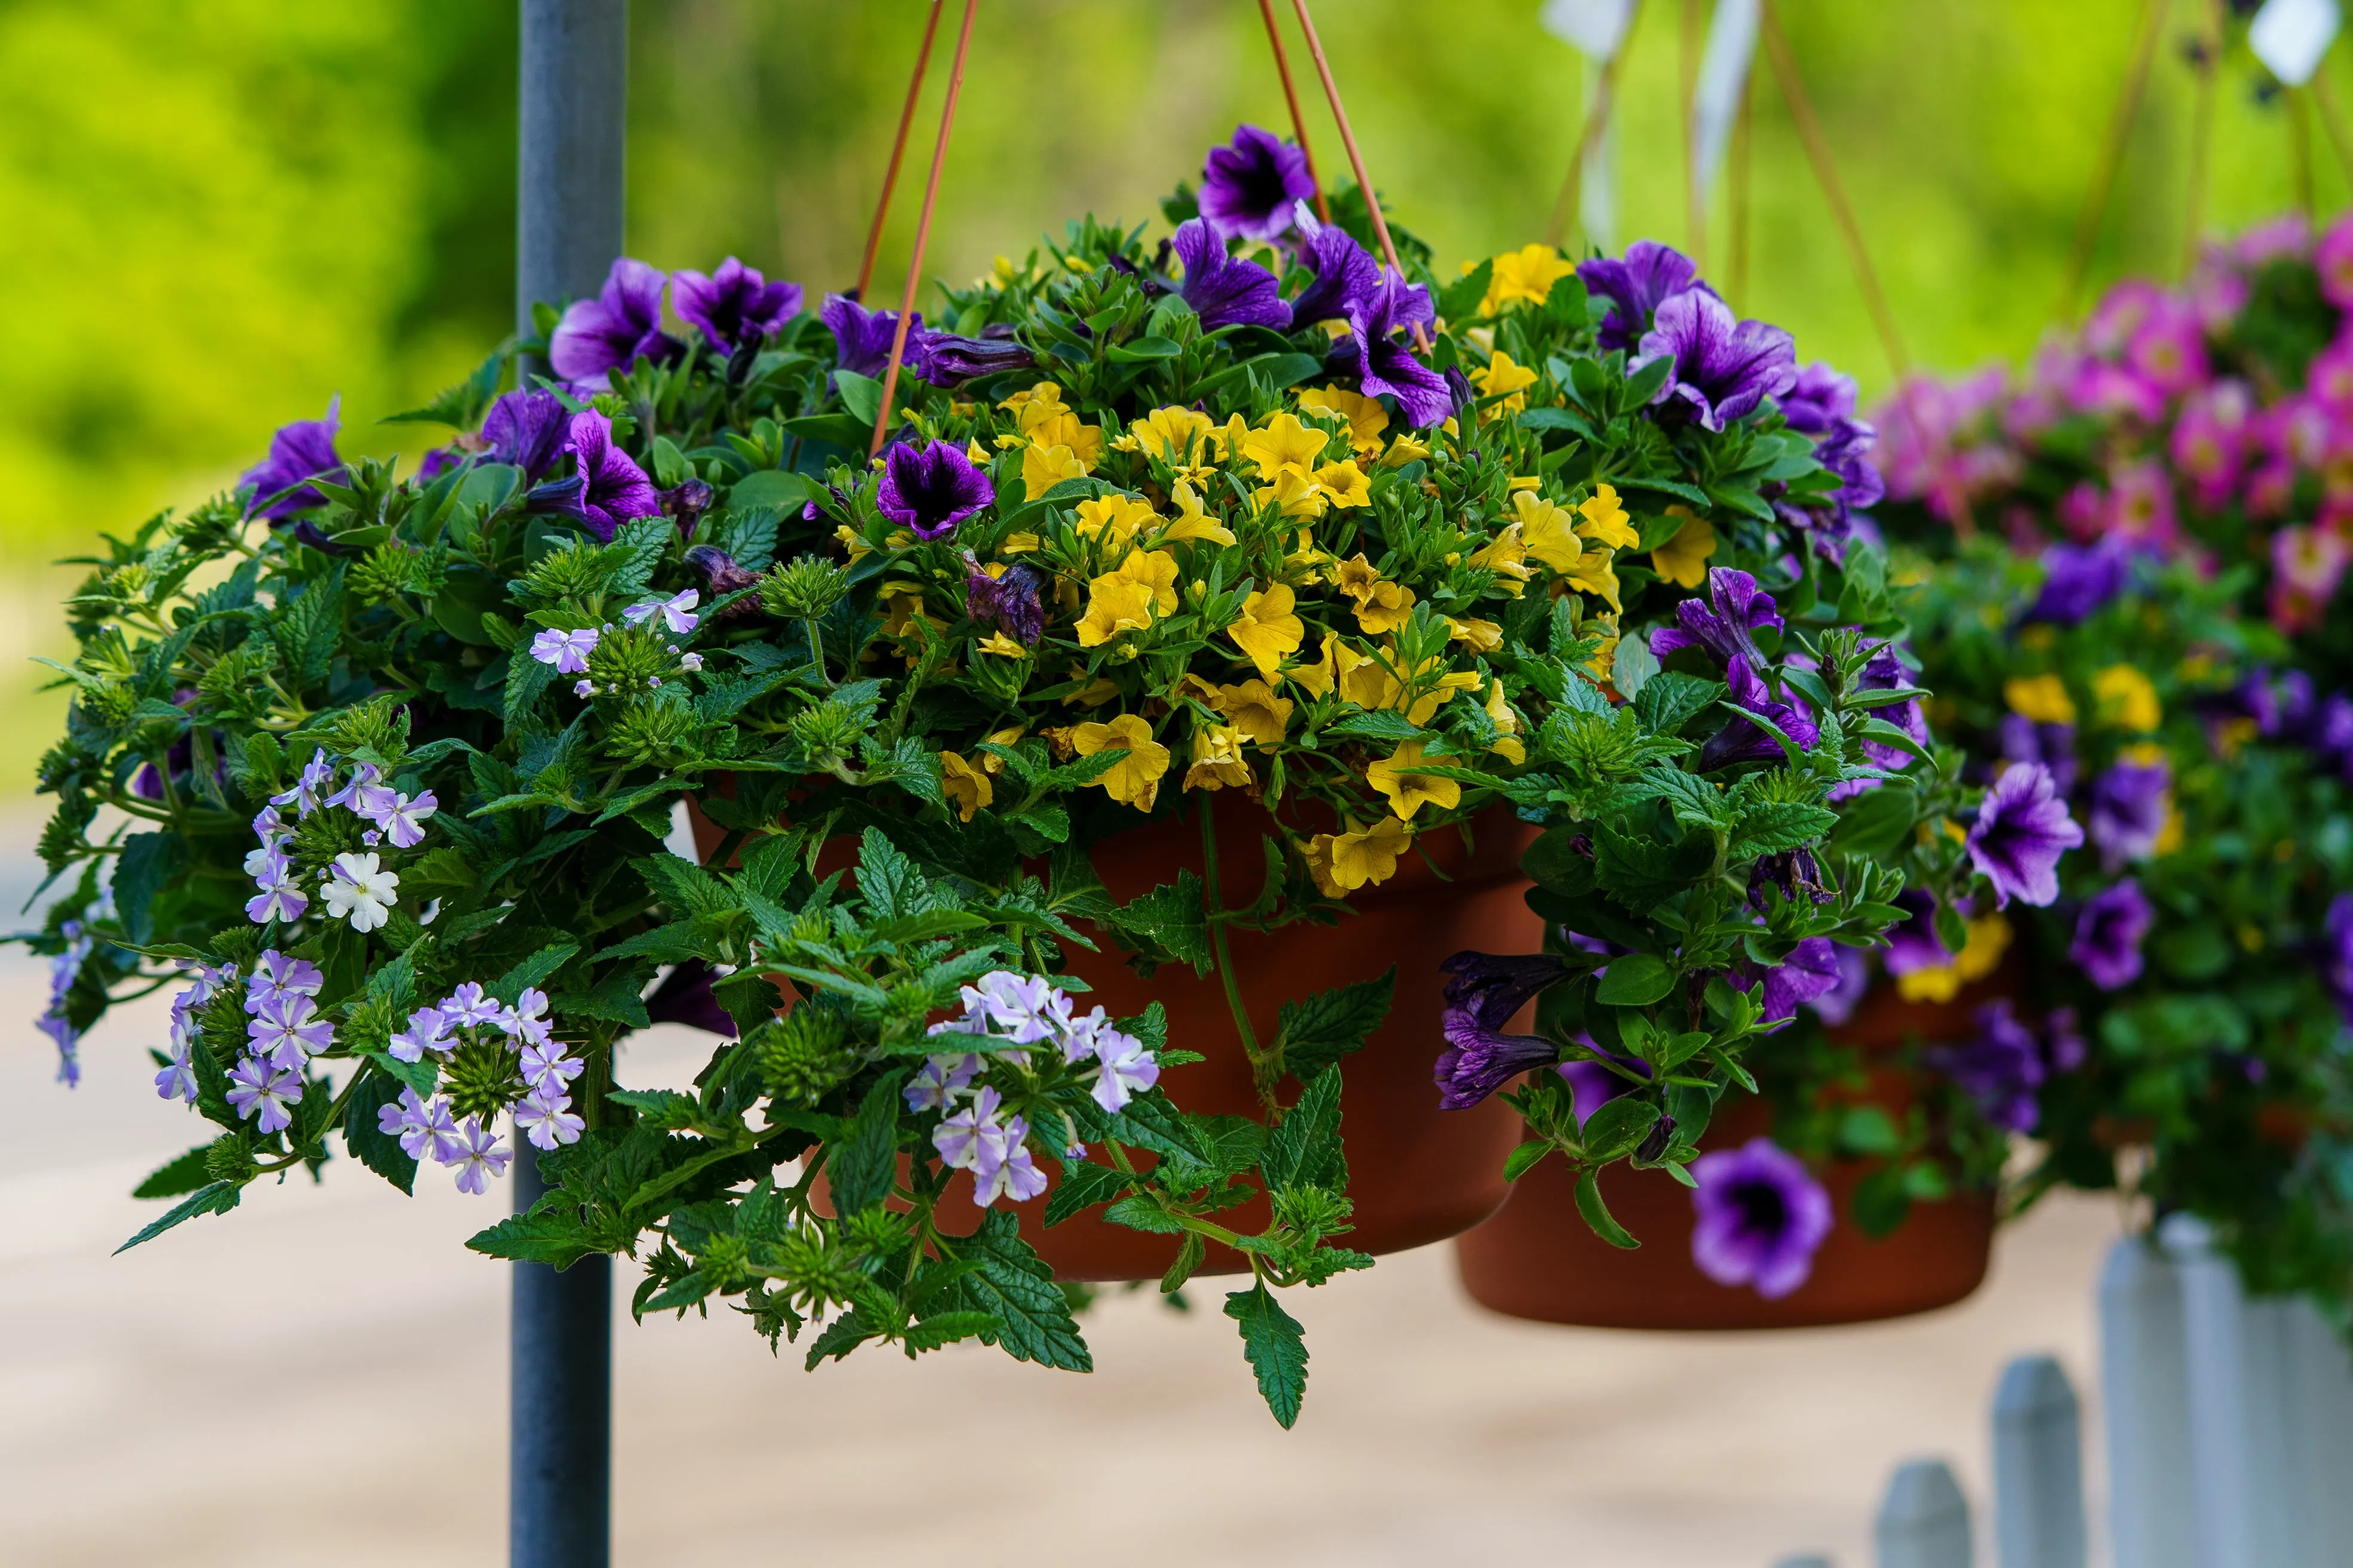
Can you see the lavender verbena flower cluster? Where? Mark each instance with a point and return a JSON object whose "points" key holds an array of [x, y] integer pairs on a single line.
{"points": [[64, 969], [1019, 1011], [568, 649], [355, 887], [177, 1081], [428, 1128]]}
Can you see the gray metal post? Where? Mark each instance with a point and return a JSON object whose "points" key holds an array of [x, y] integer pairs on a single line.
{"points": [[1924, 1521], [2144, 1405], [569, 230], [2038, 1468]]}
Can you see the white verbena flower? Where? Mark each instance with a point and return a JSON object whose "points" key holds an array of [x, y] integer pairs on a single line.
{"points": [[359, 891]]}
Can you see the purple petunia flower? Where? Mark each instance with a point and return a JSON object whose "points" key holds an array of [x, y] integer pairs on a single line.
{"points": [[437, 461], [1761, 1217], [1226, 291], [1913, 944], [612, 330], [1817, 401], [725, 576], [1885, 671], [1726, 622], [1593, 1084], [1250, 187], [931, 489], [1013, 603], [1346, 273], [2129, 804], [1810, 970], [527, 429], [1723, 366], [948, 360], [730, 305], [1743, 742], [2337, 954], [1478, 1059], [2065, 1050], [2023, 740], [684, 997], [1384, 362], [2077, 582], [614, 488], [1651, 274], [2023, 828], [1490, 987], [302, 450], [2110, 933], [1837, 1005], [1999, 1070], [861, 337]]}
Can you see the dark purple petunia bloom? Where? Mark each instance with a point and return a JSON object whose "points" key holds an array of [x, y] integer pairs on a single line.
{"points": [[1818, 401], [1885, 671], [2023, 828], [2337, 954], [1226, 291], [528, 430], [1483, 994], [948, 360], [612, 330], [730, 304], [1592, 1084], [1846, 452], [1725, 623], [2281, 706], [613, 488], [929, 489], [2023, 740], [304, 449], [1810, 970], [725, 575], [1635, 287], [685, 997], [1761, 1217], [1741, 741], [1490, 987], [1384, 363], [2128, 809], [438, 462], [1723, 366], [862, 337], [1250, 186], [1346, 276], [2077, 582], [1014, 602], [1999, 1070], [2110, 933]]}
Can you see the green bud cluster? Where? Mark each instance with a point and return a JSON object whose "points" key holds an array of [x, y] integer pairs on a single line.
{"points": [[630, 661], [482, 1079], [826, 732], [804, 589], [578, 571], [659, 732], [805, 1055], [227, 1158]]}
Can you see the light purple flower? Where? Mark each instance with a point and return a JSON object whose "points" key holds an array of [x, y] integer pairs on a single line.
{"points": [[365, 777], [1810, 970], [2023, 828], [1725, 623], [929, 489], [614, 489], [527, 1020], [468, 1005], [568, 651], [397, 817], [1723, 366], [276, 972], [478, 1157], [1021, 1009], [546, 1116], [428, 1031], [2110, 933], [1128, 1068], [677, 612], [545, 1067], [288, 1029], [1837, 1005], [1007, 1171], [610, 331], [967, 1137], [263, 1091], [1226, 291], [1999, 1070], [426, 1128], [941, 1078], [280, 898], [1651, 274], [302, 450], [317, 775], [2129, 804], [730, 305], [2022, 739], [359, 891], [1249, 187], [178, 1078], [1761, 1217]]}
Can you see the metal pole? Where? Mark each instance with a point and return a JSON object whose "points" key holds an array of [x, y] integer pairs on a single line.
{"points": [[574, 97]]}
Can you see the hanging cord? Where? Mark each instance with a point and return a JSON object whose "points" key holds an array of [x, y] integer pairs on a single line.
{"points": [[2201, 133], [1687, 84], [2332, 118], [2299, 147], [1567, 209], [1291, 97], [2112, 156], [1356, 157], [1741, 197], [922, 229], [898, 151]]}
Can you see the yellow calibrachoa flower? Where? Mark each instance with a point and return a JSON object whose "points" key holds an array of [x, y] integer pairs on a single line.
{"points": [[1406, 449], [1500, 378], [1593, 574], [1113, 519], [1320, 676], [2127, 697], [1157, 570], [1547, 532], [1682, 560], [1381, 606], [966, 785], [990, 763], [1606, 521], [1408, 791], [1524, 275], [1267, 629], [1217, 759], [1135, 779], [1181, 437], [1126, 599], [1191, 521], [1480, 636], [1284, 444], [1507, 558], [1317, 853], [1344, 484], [1980, 955], [1295, 491], [1043, 467], [853, 542], [2042, 698], [1361, 858], [1253, 709], [975, 454], [1367, 418], [1604, 662], [1499, 710], [1002, 645]]}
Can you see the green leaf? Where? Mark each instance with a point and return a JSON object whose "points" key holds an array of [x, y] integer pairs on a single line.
{"points": [[861, 395], [374, 1147], [146, 865], [1084, 1185], [1014, 1285], [1319, 1031], [1379, 724], [1275, 1346], [1522, 1160], [1632, 667], [946, 1328], [1596, 1213], [552, 1234], [1458, 304], [214, 1197], [1772, 827], [1617, 1127], [184, 1174], [1304, 1151], [1868, 1129], [532, 971], [862, 1167], [1169, 920]]}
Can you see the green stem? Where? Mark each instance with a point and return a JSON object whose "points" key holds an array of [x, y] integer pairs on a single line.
{"points": [[1264, 1070]]}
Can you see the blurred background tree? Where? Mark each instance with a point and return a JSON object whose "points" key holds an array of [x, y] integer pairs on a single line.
{"points": [[220, 214]]}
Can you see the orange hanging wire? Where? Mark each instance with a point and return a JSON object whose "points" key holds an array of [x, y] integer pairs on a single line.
{"points": [[2332, 118], [1687, 84], [2111, 153], [1356, 158], [898, 151], [2299, 147], [1291, 97], [922, 230]]}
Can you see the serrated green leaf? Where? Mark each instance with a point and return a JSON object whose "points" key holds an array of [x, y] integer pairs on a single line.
{"points": [[1319, 1031], [1276, 1347], [1305, 1150], [183, 1175], [1014, 1285], [214, 1197]]}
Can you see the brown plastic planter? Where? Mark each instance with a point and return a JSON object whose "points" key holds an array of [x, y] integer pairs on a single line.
{"points": [[1415, 1174]]}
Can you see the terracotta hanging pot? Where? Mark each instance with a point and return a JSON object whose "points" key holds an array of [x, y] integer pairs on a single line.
{"points": [[1538, 1260], [1415, 1174]]}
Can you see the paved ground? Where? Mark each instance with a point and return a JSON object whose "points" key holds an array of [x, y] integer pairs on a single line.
{"points": [[320, 1377]]}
